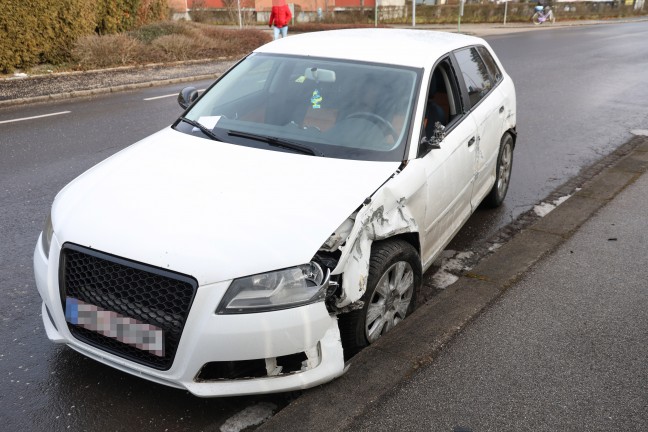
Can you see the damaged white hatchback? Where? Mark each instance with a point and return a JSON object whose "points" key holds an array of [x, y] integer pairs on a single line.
{"points": [[284, 221]]}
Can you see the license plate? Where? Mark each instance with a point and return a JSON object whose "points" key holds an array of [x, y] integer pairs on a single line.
{"points": [[127, 330]]}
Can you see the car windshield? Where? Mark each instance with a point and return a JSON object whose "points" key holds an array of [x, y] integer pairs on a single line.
{"points": [[322, 107]]}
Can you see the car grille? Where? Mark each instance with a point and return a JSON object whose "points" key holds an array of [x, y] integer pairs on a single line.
{"points": [[147, 294]]}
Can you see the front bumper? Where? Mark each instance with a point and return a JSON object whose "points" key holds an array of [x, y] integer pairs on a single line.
{"points": [[209, 338]]}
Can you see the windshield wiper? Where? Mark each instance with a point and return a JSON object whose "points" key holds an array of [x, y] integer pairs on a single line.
{"points": [[277, 142], [204, 129]]}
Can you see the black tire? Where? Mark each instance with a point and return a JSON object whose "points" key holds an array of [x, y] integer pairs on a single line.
{"points": [[388, 259], [496, 196]]}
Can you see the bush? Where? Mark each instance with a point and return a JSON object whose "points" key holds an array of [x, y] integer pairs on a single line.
{"points": [[164, 42], [37, 31], [176, 47], [45, 31], [225, 42], [103, 51], [148, 33], [116, 16]]}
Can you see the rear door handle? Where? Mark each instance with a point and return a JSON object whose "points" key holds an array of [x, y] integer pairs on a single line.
{"points": [[471, 141], [501, 109]]}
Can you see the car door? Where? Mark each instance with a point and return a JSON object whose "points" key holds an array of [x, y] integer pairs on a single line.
{"points": [[450, 166], [486, 105]]}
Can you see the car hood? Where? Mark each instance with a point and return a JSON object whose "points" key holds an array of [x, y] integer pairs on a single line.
{"points": [[212, 210]]}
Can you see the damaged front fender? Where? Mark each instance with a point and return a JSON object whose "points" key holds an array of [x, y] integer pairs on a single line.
{"points": [[398, 207]]}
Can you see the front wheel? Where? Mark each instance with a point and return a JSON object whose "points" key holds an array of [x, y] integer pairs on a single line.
{"points": [[394, 278], [536, 18], [502, 173]]}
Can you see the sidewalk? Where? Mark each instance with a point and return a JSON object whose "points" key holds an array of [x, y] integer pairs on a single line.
{"points": [[564, 348]]}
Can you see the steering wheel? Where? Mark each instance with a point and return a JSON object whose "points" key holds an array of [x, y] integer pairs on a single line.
{"points": [[384, 125]]}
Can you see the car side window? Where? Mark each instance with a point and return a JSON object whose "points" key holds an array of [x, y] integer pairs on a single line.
{"points": [[443, 103], [475, 74], [492, 67]]}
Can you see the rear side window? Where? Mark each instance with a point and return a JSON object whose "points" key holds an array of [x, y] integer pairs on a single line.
{"points": [[475, 74], [494, 71]]}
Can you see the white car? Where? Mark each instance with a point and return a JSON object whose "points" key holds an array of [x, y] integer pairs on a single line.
{"points": [[284, 221]]}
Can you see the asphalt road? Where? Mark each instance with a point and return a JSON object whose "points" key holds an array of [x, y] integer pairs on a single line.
{"points": [[580, 93]]}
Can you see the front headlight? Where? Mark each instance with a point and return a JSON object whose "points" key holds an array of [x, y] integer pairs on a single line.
{"points": [[46, 235], [282, 289]]}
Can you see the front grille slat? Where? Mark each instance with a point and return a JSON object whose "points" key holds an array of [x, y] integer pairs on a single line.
{"points": [[148, 294]]}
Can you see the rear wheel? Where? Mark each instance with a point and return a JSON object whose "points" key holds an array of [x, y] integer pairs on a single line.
{"points": [[394, 278], [536, 18], [502, 172]]}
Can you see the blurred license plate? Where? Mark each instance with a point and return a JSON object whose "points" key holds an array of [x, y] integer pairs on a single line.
{"points": [[130, 331]]}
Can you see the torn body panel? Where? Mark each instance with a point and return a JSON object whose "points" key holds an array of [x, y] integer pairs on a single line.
{"points": [[398, 207]]}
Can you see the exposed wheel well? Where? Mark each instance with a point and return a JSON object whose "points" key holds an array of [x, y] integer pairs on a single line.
{"points": [[412, 238]]}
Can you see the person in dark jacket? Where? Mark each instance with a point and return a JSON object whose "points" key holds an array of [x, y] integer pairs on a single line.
{"points": [[280, 17]]}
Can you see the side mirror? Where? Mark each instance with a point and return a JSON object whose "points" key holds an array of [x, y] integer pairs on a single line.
{"points": [[434, 142], [187, 96]]}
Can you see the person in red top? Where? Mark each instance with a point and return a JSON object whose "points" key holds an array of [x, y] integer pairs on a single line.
{"points": [[280, 17]]}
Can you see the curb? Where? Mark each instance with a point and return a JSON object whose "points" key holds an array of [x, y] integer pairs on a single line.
{"points": [[417, 341], [103, 90]]}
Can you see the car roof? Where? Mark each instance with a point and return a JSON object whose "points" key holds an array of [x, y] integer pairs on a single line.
{"points": [[407, 47]]}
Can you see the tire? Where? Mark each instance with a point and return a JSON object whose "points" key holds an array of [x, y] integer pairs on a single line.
{"points": [[502, 173], [384, 306], [536, 18]]}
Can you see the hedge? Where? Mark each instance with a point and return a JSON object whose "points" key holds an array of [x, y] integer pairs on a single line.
{"points": [[44, 31]]}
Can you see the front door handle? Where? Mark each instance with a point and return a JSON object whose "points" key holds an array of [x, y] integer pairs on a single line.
{"points": [[501, 109], [471, 141]]}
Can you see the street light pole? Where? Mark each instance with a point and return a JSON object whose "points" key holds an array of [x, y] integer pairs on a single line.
{"points": [[461, 10], [413, 13]]}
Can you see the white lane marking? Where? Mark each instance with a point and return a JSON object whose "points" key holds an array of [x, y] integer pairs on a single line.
{"points": [[640, 132], [543, 209], [250, 416], [166, 96], [160, 97], [34, 117], [450, 262]]}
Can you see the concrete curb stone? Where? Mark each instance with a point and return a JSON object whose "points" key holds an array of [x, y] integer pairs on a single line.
{"points": [[105, 90]]}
